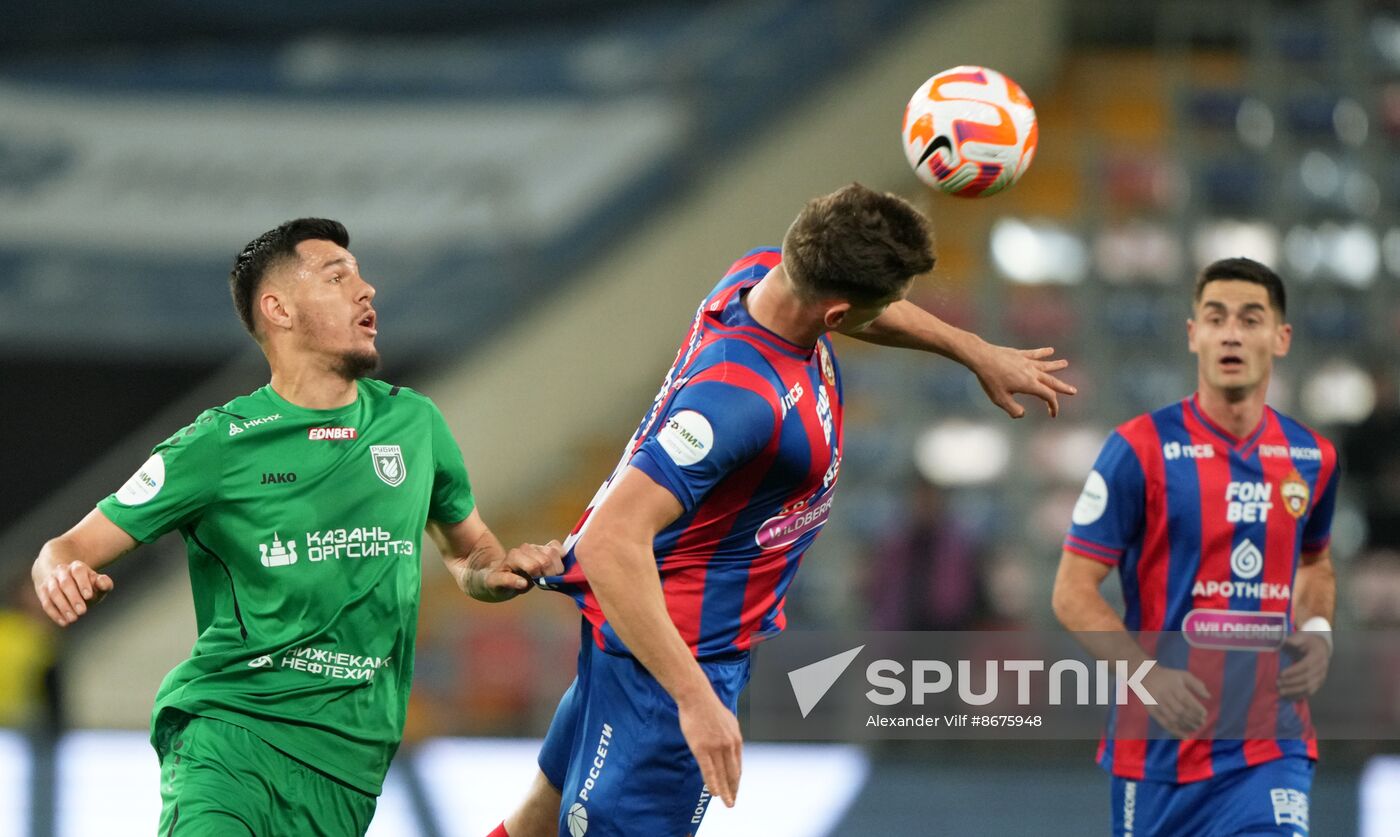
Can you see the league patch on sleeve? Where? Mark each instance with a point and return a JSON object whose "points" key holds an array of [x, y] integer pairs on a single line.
{"points": [[145, 484], [1092, 500], [686, 438]]}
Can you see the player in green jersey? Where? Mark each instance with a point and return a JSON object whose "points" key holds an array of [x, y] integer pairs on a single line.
{"points": [[302, 505]]}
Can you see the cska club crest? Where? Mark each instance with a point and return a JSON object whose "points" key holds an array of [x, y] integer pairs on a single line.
{"points": [[828, 368], [1295, 494], [388, 464]]}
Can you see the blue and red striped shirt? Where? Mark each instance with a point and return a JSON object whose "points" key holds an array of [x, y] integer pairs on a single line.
{"points": [[746, 433], [1205, 526]]}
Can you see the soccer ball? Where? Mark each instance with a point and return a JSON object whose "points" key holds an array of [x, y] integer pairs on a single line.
{"points": [[970, 132]]}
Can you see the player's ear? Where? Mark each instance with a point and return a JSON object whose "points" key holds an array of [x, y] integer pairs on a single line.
{"points": [[274, 308], [1191, 334], [1283, 338], [836, 315]]}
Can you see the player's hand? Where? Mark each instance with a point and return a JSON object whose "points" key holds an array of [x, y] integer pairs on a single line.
{"points": [[712, 733], [65, 590], [1004, 372], [522, 565], [1178, 694], [1304, 676]]}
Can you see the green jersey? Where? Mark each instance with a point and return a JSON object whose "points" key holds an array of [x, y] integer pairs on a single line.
{"points": [[304, 529]]}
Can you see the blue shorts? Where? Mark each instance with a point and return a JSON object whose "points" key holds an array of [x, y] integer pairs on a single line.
{"points": [[616, 753], [1269, 798]]}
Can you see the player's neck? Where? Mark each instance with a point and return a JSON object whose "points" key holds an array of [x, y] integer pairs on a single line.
{"points": [[312, 387], [773, 305], [1238, 416]]}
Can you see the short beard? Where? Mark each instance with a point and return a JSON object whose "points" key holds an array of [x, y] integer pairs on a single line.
{"points": [[355, 365]]}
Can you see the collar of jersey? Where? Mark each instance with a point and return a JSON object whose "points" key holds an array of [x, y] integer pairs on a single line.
{"points": [[1240, 446], [735, 316], [284, 404]]}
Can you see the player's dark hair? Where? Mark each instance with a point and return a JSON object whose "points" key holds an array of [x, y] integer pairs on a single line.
{"points": [[252, 265], [857, 244], [1241, 269]]}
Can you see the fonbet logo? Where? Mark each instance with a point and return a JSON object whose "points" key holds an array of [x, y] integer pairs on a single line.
{"points": [[810, 683], [1248, 502], [332, 434], [145, 484], [388, 464]]}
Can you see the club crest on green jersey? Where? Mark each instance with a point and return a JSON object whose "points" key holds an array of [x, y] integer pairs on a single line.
{"points": [[388, 464]]}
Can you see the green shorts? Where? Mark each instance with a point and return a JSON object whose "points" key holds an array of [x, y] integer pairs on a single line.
{"points": [[218, 779]]}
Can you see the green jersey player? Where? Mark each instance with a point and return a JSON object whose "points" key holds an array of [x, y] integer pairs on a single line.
{"points": [[302, 505]]}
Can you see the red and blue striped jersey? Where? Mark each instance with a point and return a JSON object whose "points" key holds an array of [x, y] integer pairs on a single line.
{"points": [[1204, 527], [746, 433]]}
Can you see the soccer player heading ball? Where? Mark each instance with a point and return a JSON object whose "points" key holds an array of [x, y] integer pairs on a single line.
{"points": [[302, 505], [1215, 510], [682, 560]]}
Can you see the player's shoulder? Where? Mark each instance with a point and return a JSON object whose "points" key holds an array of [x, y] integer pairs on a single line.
{"points": [[1295, 429], [1147, 428], [1139, 427], [377, 389], [215, 423], [1143, 435], [738, 361], [395, 396]]}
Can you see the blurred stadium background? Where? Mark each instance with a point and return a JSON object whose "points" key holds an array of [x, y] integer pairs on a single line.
{"points": [[541, 192]]}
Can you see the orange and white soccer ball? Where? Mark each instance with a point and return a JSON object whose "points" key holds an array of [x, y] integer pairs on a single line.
{"points": [[970, 132]]}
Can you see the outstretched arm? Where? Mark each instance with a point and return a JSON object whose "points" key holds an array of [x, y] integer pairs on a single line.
{"points": [[65, 575], [485, 570], [1003, 372]]}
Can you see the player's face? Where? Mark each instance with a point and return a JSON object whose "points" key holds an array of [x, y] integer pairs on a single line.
{"points": [[333, 307], [1235, 335]]}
